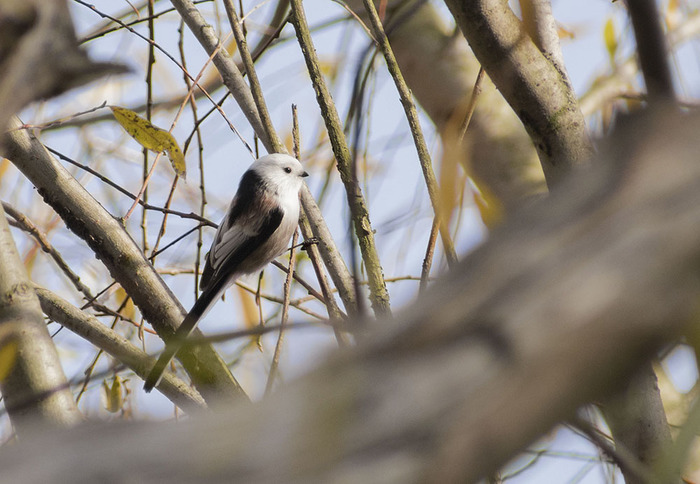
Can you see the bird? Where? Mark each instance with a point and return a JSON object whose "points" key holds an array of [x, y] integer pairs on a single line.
{"points": [[260, 220]]}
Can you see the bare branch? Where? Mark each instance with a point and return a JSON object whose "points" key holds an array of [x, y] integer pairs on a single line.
{"points": [[536, 90], [651, 50], [358, 209], [119, 347], [556, 310], [426, 163], [35, 389]]}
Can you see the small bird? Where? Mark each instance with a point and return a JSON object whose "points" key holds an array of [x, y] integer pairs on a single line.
{"points": [[257, 227]]}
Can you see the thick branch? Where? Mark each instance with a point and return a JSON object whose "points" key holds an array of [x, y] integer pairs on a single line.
{"points": [[561, 306], [118, 346], [542, 27], [536, 90], [652, 50], [637, 420], [35, 390]]}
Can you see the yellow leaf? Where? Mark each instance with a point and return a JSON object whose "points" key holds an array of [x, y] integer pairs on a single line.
{"points": [[673, 14], [4, 165], [489, 206], [251, 317], [114, 397], [329, 68], [610, 38], [129, 310], [565, 33], [8, 355], [177, 159], [150, 137], [231, 47]]}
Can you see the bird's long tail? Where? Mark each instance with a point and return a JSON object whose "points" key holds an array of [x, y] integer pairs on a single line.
{"points": [[183, 331]]}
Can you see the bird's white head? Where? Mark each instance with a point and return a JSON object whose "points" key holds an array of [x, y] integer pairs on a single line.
{"points": [[284, 172]]}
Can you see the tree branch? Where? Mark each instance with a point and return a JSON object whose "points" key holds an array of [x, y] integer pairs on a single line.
{"points": [[90, 328], [559, 307], [651, 50], [35, 390], [426, 163], [533, 86], [358, 209]]}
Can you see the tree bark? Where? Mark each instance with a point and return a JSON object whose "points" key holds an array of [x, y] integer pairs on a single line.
{"points": [[637, 421], [537, 91], [116, 345], [35, 390]]}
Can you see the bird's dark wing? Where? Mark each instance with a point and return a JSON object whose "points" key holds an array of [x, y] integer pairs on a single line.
{"points": [[245, 219], [251, 220]]}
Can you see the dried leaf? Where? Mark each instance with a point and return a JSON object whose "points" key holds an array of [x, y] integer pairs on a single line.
{"points": [[129, 310], [177, 159], [151, 137], [114, 396], [489, 206], [610, 38], [565, 33], [251, 317]]}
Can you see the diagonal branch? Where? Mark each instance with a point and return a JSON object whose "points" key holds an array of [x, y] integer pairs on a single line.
{"points": [[556, 310], [118, 346], [379, 295], [426, 163], [533, 86]]}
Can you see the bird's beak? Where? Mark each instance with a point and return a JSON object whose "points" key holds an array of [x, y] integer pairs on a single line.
{"points": [[304, 175]]}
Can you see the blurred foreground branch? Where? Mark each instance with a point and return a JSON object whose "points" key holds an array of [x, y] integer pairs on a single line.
{"points": [[556, 310]]}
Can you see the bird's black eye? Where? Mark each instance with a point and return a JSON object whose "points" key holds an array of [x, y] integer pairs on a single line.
{"points": [[287, 169]]}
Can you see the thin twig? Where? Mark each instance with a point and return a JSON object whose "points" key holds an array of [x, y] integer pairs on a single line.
{"points": [[245, 333], [297, 304], [123, 191], [88, 372], [429, 252], [60, 121], [416, 131], [149, 111], [476, 90], [28, 226], [164, 223], [358, 209], [255, 88], [283, 318], [108, 30], [334, 312], [621, 456]]}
